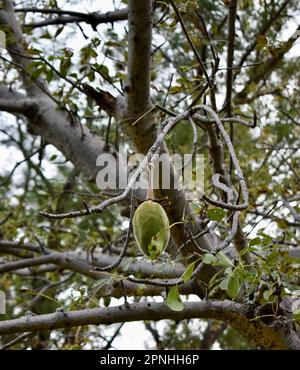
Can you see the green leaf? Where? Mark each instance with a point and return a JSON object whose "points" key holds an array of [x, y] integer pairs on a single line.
{"points": [[49, 75], [65, 64], [296, 314], [261, 42], [58, 31], [186, 276], [272, 258], [34, 293], [223, 260], [224, 283], [255, 241], [266, 239], [173, 300], [216, 214], [103, 71], [242, 273], [208, 259], [267, 294], [91, 76], [38, 72], [282, 224], [233, 286], [175, 89]]}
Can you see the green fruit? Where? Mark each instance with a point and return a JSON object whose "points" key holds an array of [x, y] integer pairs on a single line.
{"points": [[151, 228]]}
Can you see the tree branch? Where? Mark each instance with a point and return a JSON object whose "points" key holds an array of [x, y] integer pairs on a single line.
{"points": [[139, 54], [77, 143], [167, 125], [21, 106], [134, 312], [263, 71], [78, 261], [68, 16], [262, 31], [190, 41], [237, 315], [16, 42], [229, 74]]}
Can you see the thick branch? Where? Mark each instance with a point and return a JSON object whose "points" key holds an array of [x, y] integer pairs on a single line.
{"points": [[237, 315], [77, 261], [16, 106], [17, 44], [144, 133], [230, 54], [8, 94], [134, 312], [68, 16], [139, 54], [56, 127]]}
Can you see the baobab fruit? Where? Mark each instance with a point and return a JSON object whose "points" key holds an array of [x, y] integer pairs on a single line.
{"points": [[151, 228]]}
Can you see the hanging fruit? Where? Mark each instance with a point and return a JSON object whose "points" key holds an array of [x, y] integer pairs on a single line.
{"points": [[150, 223]]}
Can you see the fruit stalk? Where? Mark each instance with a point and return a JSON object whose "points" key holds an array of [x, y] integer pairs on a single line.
{"points": [[150, 193]]}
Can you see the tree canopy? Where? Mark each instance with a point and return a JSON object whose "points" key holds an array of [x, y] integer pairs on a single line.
{"points": [[79, 80]]}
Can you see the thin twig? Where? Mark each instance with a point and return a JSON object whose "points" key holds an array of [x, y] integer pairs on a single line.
{"points": [[14, 341], [197, 56], [125, 247], [17, 165]]}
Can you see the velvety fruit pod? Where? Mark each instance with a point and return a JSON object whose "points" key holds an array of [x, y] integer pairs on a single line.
{"points": [[151, 228]]}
